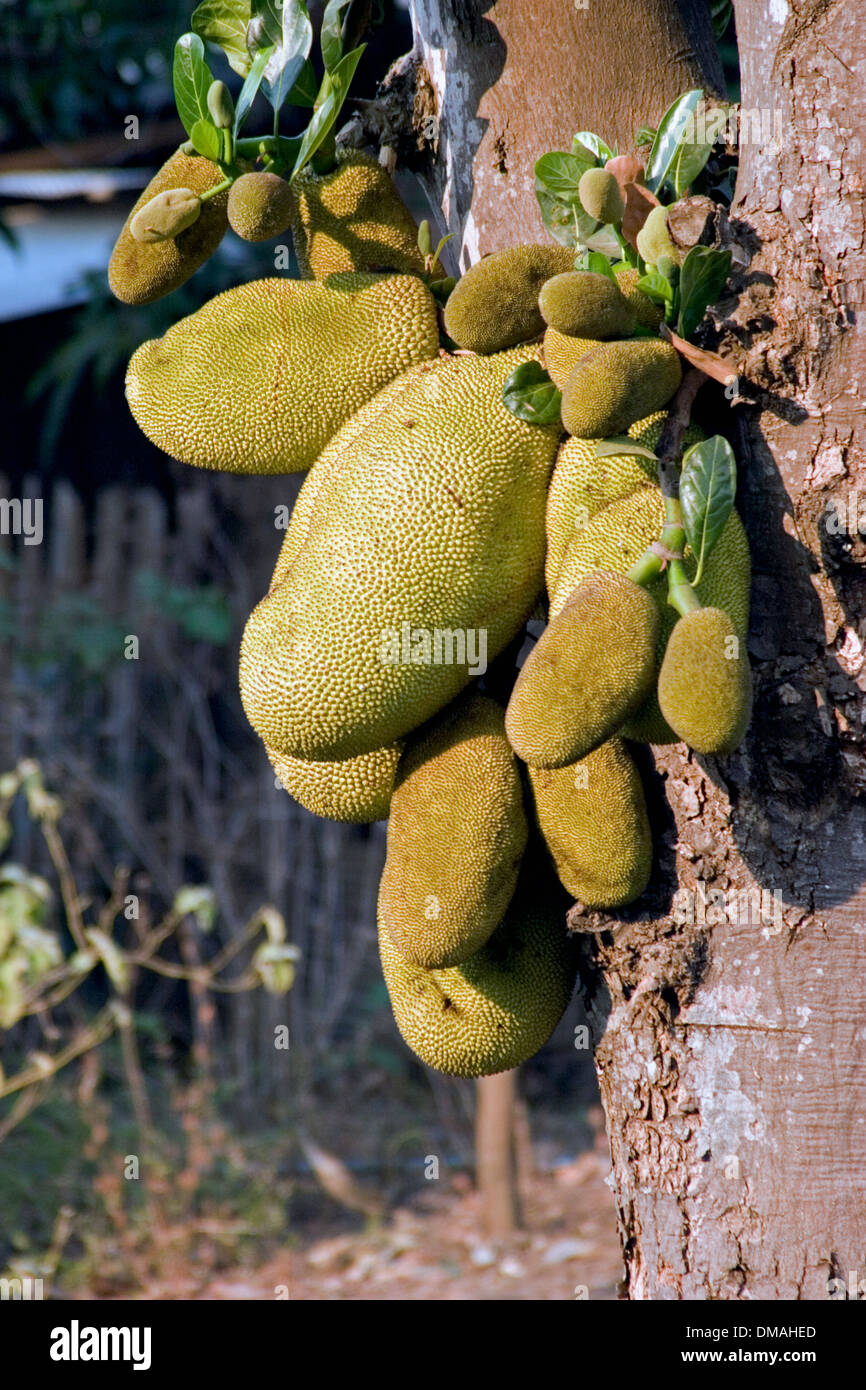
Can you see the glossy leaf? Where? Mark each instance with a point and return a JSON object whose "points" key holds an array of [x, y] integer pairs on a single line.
{"points": [[669, 137], [332, 94], [286, 26], [530, 394], [587, 142], [331, 37], [708, 485], [224, 22], [703, 276], [247, 94], [191, 77], [206, 139], [621, 444]]}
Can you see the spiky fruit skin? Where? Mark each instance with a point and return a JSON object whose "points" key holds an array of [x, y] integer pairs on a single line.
{"points": [[328, 463], [352, 218], [582, 484], [562, 354], [705, 685], [618, 383], [495, 305], [456, 836], [357, 790], [582, 304], [654, 239], [260, 206], [615, 539], [600, 195], [496, 1009], [141, 272], [593, 817], [260, 378], [590, 669], [649, 315], [434, 519]]}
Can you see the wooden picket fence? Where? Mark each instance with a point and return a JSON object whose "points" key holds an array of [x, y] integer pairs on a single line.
{"points": [[148, 748]]}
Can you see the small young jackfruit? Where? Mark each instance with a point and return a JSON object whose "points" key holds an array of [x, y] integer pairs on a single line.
{"points": [[619, 383], [583, 483], [615, 539], [356, 790], [590, 669], [600, 195], [593, 816], [166, 215], [562, 354], [422, 561], [141, 272], [705, 685], [496, 1009], [654, 239], [456, 836], [495, 305], [260, 206], [260, 378], [352, 218], [582, 304], [649, 315]]}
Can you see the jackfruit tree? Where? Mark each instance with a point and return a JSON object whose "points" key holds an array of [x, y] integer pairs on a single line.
{"points": [[545, 432]]}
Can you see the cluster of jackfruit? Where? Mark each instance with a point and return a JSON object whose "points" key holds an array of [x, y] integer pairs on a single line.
{"points": [[431, 522]]}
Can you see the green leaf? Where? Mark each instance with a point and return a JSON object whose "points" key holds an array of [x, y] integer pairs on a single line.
{"points": [[670, 136], [644, 136], [196, 900], [587, 143], [689, 163], [621, 444], [306, 87], [286, 25], [703, 276], [191, 77], [332, 93], [656, 287], [530, 394], [708, 485], [720, 15], [558, 174], [331, 37], [224, 22], [247, 94], [596, 262], [206, 138]]}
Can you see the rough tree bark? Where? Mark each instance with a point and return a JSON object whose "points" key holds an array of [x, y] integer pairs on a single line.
{"points": [[730, 1054]]}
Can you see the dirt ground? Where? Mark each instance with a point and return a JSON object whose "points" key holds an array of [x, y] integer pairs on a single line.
{"points": [[433, 1249]]}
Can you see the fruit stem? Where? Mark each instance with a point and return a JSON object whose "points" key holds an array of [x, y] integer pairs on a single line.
{"points": [[681, 594], [217, 188]]}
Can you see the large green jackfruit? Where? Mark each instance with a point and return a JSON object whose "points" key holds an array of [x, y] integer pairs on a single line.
{"points": [[582, 483], [495, 1010], [261, 377], [456, 836], [260, 206], [140, 272], [618, 383], [327, 464], [583, 304], [562, 354], [356, 790], [495, 304], [616, 538], [593, 817], [352, 218], [426, 542], [705, 686], [591, 668]]}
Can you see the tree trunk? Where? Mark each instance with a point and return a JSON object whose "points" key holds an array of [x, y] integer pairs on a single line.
{"points": [[495, 1166], [730, 1049]]}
